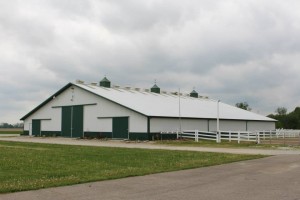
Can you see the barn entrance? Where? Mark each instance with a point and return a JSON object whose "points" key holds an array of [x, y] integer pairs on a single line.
{"points": [[72, 121], [36, 127], [120, 127]]}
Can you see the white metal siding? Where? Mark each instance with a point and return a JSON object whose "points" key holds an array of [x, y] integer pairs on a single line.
{"points": [[227, 125], [172, 124], [108, 109], [233, 125], [50, 118], [260, 126], [103, 108]]}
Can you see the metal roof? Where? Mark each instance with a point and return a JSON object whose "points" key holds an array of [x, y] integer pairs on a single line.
{"points": [[167, 105]]}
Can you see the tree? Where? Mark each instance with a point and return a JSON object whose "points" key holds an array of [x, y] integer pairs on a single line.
{"points": [[281, 111], [287, 120], [243, 105]]}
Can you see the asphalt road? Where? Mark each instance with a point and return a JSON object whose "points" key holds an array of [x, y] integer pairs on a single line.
{"points": [[271, 178]]}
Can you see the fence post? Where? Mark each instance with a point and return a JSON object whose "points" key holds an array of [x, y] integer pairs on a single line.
{"points": [[196, 135], [264, 135], [248, 134], [229, 136], [258, 137], [177, 134], [239, 137]]}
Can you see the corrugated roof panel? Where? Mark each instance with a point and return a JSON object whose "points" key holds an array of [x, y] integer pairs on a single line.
{"points": [[166, 105]]}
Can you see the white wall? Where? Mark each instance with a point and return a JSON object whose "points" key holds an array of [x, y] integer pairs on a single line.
{"points": [[231, 125], [260, 126], [92, 113], [94, 116], [50, 118], [172, 124]]}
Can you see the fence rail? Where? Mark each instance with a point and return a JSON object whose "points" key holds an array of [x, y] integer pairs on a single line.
{"points": [[280, 136]]}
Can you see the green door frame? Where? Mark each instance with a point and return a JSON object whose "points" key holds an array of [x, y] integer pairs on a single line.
{"points": [[72, 121], [36, 127], [120, 127], [77, 121]]}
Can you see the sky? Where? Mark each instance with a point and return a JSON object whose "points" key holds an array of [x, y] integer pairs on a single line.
{"points": [[232, 50]]}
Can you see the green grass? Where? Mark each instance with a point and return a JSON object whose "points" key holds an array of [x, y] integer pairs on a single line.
{"points": [[223, 144], [10, 131], [27, 166]]}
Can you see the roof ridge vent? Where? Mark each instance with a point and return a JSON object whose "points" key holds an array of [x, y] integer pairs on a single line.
{"points": [[79, 81]]}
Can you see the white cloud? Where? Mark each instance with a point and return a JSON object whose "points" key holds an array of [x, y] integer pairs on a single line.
{"points": [[231, 50]]}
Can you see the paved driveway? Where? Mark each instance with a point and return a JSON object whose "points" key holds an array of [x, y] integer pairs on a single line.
{"points": [[272, 178]]}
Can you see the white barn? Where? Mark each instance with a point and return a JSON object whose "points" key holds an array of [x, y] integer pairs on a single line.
{"points": [[80, 110]]}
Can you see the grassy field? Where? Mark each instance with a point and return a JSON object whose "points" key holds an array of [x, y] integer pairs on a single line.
{"points": [[27, 166], [223, 144], [10, 131]]}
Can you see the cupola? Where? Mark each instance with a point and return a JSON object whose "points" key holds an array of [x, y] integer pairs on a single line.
{"points": [[194, 94], [155, 89], [105, 82]]}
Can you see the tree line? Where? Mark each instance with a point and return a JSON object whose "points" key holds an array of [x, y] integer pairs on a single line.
{"points": [[287, 120], [284, 119], [7, 125]]}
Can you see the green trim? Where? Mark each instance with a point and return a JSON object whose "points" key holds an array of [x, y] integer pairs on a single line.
{"points": [[50, 133], [25, 132], [138, 136], [171, 136], [89, 104], [104, 117], [98, 135]]}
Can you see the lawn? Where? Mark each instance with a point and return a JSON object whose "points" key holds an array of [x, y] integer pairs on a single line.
{"points": [[10, 131], [27, 166], [224, 144]]}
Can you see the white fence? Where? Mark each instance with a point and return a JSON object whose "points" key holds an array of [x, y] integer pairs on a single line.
{"points": [[280, 135]]}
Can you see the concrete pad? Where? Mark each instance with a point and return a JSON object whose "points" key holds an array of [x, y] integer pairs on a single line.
{"points": [[272, 178]]}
